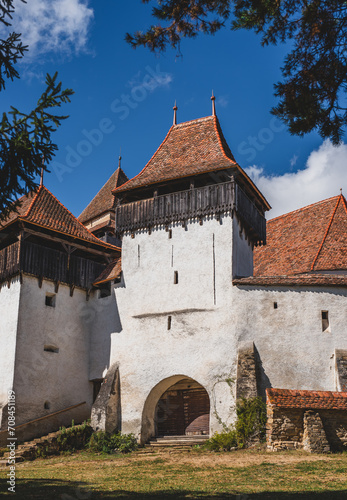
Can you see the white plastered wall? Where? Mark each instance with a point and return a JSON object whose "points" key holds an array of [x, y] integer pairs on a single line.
{"points": [[9, 306], [61, 379], [200, 343], [294, 351]]}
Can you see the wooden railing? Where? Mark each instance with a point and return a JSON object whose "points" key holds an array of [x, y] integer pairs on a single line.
{"points": [[49, 263], [45, 417], [10, 260], [192, 203]]}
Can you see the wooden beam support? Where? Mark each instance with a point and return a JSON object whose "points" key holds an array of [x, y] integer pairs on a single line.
{"points": [[60, 241]]}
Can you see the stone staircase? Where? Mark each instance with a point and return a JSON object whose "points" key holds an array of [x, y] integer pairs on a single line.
{"points": [[177, 442], [29, 449]]}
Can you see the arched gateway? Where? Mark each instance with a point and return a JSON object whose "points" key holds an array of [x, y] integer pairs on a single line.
{"points": [[177, 406]]}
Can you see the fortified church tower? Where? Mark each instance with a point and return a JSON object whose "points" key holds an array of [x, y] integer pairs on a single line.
{"points": [[188, 221]]}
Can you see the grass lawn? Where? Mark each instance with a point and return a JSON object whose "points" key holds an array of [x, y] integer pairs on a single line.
{"points": [[242, 475]]}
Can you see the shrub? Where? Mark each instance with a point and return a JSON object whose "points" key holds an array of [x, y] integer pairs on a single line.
{"points": [[222, 441], [248, 428], [251, 421], [111, 443], [74, 438]]}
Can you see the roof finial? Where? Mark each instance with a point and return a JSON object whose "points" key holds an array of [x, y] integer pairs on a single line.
{"points": [[175, 108], [43, 162], [341, 191], [213, 104], [120, 157]]}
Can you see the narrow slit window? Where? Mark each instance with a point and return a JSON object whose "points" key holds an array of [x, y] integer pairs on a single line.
{"points": [[47, 405], [169, 321], [325, 321], [50, 300], [175, 277], [170, 234], [275, 305], [51, 348]]}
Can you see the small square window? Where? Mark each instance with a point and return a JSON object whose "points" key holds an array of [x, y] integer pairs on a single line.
{"points": [[105, 291], [50, 300]]}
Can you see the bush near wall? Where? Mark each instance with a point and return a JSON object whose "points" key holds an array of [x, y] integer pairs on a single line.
{"points": [[82, 437], [112, 443], [250, 427]]}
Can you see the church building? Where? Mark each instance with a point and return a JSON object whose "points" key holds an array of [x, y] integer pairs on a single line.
{"points": [[170, 298]]}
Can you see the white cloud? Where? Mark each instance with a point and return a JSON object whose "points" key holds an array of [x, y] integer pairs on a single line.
{"points": [[222, 101], [293, 160], [151, 80], [325, 173], [52, 26]]}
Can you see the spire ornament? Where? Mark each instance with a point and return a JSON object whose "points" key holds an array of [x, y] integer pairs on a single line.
{"points": [[213, 99], [120, 157], [175, 108]]}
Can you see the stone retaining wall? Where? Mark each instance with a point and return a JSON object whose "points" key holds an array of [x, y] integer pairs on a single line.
{"points": [[318, 431]]}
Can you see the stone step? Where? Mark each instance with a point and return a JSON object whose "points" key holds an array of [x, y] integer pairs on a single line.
{"points": [[23, 449], [177, 441], [199, 437]]}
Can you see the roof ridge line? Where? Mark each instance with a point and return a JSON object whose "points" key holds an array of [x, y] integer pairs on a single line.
{"points": [[302, 208], [102, 187], [194, 120], [234, 163], [344, 202], [326, 233], [84, 227], [33, 201], [215, 120], [144, 168]]}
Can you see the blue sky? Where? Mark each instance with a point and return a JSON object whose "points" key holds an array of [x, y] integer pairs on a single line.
{"points": [[124, 98]]}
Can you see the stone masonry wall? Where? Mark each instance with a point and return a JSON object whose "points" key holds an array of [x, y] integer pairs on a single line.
{"points": [[315, 431], [246, 378], [335, 425], [314, 438], [341, 369], [284, 428]]}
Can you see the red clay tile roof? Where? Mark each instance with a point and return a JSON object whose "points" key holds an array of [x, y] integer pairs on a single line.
{"points": [[111, 272], [190, 148], [312, 238], [43, 209], [104, 200], [338, 280], [315, 400]]}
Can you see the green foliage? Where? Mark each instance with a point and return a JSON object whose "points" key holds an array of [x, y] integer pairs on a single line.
{"points": [[185, 19], [249, 427], [222, 441], [111, 443], [25, 138], [312, 95], [74, 438], [251, 421]]}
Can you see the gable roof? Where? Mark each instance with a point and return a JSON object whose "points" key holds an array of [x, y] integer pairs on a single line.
{"points": [[111, 272], [320, 400], [104, 200], [312, 238], [189, 148], [45, 210]]}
